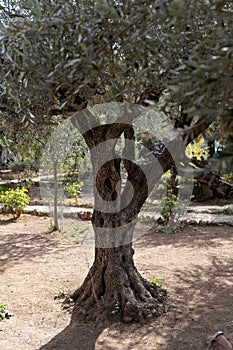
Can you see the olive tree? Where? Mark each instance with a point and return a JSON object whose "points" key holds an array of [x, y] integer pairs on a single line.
{"points": [[62, 57]]}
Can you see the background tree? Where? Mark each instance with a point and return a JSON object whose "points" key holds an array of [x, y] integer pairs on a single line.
{"points": [[59, 57]]}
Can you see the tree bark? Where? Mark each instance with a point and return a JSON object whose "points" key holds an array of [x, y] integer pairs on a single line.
{"points": [[113, 287]]}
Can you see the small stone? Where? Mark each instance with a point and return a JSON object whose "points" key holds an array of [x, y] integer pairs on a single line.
{"points": [[127, 319]]}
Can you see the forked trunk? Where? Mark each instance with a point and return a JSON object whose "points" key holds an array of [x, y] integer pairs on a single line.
{"points": [[113, 286]]}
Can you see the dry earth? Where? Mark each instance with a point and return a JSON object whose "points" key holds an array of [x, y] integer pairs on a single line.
{"points": [[196, 264]]}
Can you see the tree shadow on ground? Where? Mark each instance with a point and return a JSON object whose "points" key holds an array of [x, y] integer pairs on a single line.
{"points": [[202, 305], [17, 247], [78, 335], [190, 236]]}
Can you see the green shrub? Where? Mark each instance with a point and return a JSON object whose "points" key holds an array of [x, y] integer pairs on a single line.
{"points": [[159, 282], [4, 313], [228, 177], [168, 204], [74, 189], [14, 200]]}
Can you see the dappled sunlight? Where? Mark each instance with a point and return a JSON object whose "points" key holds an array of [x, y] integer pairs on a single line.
{"points": [[18, 242], [198, 277]]}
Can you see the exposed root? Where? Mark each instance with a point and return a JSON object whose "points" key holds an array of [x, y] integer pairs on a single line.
{"points": [[118, 293]]}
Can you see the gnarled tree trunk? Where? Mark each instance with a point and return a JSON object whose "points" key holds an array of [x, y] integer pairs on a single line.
{"points": [[113, 286]]}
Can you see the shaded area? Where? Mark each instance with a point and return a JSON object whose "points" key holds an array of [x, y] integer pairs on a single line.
{"points": [[78, 335], [204, 300], [16, 247], [202, 290], [202, 304], [188, 236]]}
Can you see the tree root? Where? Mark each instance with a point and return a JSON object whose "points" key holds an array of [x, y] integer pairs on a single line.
{"points": [[118, 293]]}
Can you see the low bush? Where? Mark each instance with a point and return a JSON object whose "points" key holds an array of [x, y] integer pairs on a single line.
{"points": [[14, 201], [74, 189], [4, 313]]}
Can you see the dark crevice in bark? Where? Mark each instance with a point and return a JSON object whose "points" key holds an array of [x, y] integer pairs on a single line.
{"points": [[108, 184], [102, 284]]}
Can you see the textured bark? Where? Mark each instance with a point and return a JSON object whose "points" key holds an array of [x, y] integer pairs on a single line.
{"points": [[113, 287]]}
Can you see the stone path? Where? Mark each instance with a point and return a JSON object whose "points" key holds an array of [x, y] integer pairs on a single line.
{"points": [[194, 213]]}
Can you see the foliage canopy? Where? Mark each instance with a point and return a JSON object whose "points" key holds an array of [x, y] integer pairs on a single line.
{"points": [[61, 55]]}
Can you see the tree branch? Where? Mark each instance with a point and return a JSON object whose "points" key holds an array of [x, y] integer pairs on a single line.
{"points": [[128, 112], [195, 130], [84, 120]]}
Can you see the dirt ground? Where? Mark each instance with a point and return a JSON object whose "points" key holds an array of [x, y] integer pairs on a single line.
{"points": [[196, 264]]}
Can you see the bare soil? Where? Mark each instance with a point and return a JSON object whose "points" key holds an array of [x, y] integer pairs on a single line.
{"points": [[195, 262]]}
